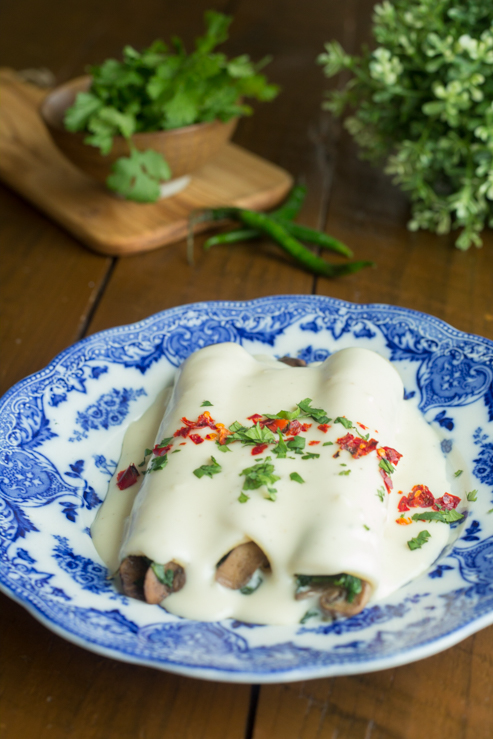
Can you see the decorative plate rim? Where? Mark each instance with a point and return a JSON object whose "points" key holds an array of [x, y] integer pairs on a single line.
{"points": [[311, 667]]}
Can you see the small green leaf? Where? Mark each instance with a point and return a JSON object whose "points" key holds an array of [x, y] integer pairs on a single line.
{"points": [[381, 494], [308, 615], [310, 455], [441, 516], [208, 469], [243, 497], [419, 540], [472, 496], [165, 576], [297, 444], [206, 403], [281, 448], [345, 472], [458, 473], [295, 477], [318, 415], [223, 447], [342, 419], [328, 443], [137, 177]]}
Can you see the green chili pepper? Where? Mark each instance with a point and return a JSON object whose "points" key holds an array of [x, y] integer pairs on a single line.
{"points": [[292, 246], [315, 237], [287, 211]]}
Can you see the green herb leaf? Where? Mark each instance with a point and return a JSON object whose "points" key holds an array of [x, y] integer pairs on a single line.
{"points": [[281, 448], [146, 454], [158, 463], [253, 584], [442, 516], [345, 472], [472, 496], [381, 493], [419, 540], [328, 443], [318, 415], [297, 444], [254, 435], [260, 474], [223, 447], [137, 177], [308, 615], [350, 583], [341, 419], [286, 415], [295, 477], [243, 497], [165, 576], [164, 442], [386, 466], [206, 403], [310, 455], [208, 469], [366, 527], [458, 473]]}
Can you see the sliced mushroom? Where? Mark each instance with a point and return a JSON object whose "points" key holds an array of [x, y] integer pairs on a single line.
{"points": [[237, 568], [132, 573], [293, 361], [333, 600], [155, 591]]}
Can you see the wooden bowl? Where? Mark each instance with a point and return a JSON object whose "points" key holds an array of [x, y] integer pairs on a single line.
{"points": [[185, 149]]}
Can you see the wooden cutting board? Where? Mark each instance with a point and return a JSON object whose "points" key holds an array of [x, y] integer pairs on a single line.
{"points": [[31, 164]]}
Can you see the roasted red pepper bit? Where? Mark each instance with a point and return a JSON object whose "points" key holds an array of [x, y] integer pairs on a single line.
{"points": [[259, 449], [196, 438], [126, 478], [313, 443], [184, 431], [420, 497], [446, 502], [404, 521], [391, 455], [403, 504], [160, 451], [211, 437], [255, 418], [386, 479], [276, 423], [294, 428], [357, 447], [324, 427]]}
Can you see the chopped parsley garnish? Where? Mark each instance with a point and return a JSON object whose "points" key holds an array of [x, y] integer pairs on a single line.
{"points": [[386, 466], [236, 426], [260, 474], [381, 493], [164, 442], [341, 419], [295, 477], [297, 444], [175, 451], [442, 516], [158, 463], [345, 472], [419, 540], [490, 511], [164, 576], [366, 527], [472, 496], [243, 498], [206, 403], [286, 415], [351, 584], [146, 454], [328, 443], [223, 447], [310, 455], [254, 435], [458, 473], [208, 469], [309, 614], [281, 448], [318, 415]]}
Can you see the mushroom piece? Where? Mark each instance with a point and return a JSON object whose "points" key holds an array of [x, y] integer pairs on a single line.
{"points": [[237, 568], [293, 361], [132, 573], [333, 598], [155, 590]]}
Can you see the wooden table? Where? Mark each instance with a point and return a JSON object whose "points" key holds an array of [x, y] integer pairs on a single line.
{"points": [[55, 292]]}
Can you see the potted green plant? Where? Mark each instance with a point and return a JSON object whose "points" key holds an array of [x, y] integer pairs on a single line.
{"points": [[421, 101], [157, 114]]}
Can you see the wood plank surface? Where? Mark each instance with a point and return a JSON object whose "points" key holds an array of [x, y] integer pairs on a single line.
{"points": [[55, 291]]}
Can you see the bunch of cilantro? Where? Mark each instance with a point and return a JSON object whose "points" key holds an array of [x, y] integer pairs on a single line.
{"points": [[423, 102], [159, 89]]}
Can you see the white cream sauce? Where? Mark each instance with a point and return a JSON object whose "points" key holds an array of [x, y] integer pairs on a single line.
{"points": [[332, 523]]}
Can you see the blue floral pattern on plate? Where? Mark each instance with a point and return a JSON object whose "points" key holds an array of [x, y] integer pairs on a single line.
{"points": [[61, 431]]}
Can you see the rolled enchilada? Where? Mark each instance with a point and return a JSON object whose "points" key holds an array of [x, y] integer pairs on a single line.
{"points": [[299, 465]]}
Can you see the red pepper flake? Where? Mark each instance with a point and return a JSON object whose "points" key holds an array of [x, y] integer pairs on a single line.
{"points": [[294, 428], [183, 443], [276, 423], [386, 479], [196, 439], [255, 418], [184, 431], [160, 451], [357, 447], [211, 437], [324, 427], [259, 449], [126, 478], [361, 425], [391, 455], [420, 497], [403, 504], [313, 443], [446, 502], [305, 427], [404, 521], [337, 454]]}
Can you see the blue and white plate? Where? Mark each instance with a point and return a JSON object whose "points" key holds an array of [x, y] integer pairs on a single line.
{"points": [[60, 437]]}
